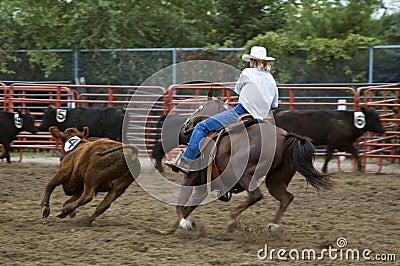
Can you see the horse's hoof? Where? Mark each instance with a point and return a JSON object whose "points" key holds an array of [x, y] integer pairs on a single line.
{"points": [[72, 214], [62, 214], [45, 211], [274, 228], [86, 222], [232, 225], [167, 232], [187, 224]]}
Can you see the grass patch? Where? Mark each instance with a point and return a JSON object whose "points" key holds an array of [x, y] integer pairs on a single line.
{"points": [[34, 153]]}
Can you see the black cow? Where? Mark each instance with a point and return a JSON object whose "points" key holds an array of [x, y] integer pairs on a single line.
{"points": [[335, 129], [11, 124], [102, 122], [170, 138]]}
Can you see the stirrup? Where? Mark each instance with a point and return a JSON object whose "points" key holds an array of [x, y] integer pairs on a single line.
{"points": [[180, 164]]}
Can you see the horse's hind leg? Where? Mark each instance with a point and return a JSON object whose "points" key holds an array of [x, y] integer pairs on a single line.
{"points": [[277, 182], [253, 197]]}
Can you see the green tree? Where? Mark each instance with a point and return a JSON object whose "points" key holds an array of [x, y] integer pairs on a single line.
{"points": [[236, 22], [88, 24], [308, 36], [322, 40]]}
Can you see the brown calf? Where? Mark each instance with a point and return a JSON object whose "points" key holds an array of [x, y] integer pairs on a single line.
{"points": [[90, 167]]}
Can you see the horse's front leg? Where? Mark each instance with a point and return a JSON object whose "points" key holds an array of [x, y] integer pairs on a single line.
{"points": [[189, 182], [185, 211], [200, 193]]}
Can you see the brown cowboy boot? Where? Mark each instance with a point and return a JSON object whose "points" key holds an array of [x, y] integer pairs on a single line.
{"points": [[180, 164]]}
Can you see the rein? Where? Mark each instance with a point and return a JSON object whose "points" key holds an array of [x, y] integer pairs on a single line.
{"points": [[184, 129]]}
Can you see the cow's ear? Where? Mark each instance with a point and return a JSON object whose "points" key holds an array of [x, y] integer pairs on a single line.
{"points": [[85, 132], [363, 109], [55, 132]]}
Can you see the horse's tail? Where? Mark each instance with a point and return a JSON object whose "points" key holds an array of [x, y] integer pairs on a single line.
{"points": [[300, 152]]}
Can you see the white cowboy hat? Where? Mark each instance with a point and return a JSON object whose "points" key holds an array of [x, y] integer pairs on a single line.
{"points": [[258, 53]]}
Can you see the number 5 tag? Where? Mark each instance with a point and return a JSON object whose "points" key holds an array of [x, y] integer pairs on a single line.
{"points": [[61, 115], [18, 121]]}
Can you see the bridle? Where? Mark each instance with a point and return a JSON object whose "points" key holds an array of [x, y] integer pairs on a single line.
{"points": [[185, 130]]}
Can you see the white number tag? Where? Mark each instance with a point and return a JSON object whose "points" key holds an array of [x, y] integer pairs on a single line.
{"points": [[71, 143], [61, 115], [359, 120], [18, 122]]}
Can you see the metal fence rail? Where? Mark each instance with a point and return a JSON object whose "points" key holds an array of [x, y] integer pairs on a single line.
{"points": [[384, 98], [145, 104]]}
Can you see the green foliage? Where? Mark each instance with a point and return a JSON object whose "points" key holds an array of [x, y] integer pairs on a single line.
{"points": [[47, 62], [326, 51], [330, 31], [324, 37], [240, 21], [391, 24]]}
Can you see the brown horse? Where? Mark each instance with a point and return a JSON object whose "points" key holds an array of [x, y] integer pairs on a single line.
{"points": [[243, 158]]}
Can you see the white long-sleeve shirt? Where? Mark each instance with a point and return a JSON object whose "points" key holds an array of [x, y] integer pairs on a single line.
{"points": [[257, 92]]}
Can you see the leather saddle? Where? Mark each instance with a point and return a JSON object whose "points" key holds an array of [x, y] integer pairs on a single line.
{"points": [[208, 152]]}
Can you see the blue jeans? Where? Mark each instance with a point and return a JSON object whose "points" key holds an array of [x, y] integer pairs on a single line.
{"points": [[211, 124]]}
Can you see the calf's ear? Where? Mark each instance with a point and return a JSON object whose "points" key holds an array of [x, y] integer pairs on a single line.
{"points": [[85, 132], [363, 109], [55, 132]]}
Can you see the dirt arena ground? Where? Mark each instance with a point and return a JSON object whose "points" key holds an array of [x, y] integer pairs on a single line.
{"points": [[363, 211]]}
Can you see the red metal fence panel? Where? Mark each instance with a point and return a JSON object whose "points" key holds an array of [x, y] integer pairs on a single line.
{"points": [[3, 95], [145, 104], [386, 100]]}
